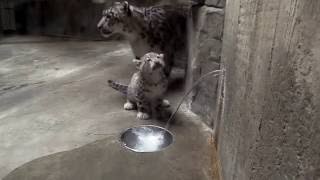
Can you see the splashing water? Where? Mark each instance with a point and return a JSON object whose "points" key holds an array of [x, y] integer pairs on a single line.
{"points": [[213, 73], [148, 140]]}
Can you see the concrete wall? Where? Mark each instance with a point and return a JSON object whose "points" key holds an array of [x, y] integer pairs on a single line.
{"points": [[271, 123], [7, 16], [59, 17], [72, 17]]}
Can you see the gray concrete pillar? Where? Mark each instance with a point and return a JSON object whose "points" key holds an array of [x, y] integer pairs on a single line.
{"points": [[271, 124]]}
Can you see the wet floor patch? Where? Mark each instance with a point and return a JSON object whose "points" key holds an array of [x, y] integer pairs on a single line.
{"points": [[187, 158]]}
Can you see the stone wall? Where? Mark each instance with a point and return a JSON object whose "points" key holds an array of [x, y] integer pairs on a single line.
{"points": [[271, 123], [205, 42], [80, 18], [61, 17]]}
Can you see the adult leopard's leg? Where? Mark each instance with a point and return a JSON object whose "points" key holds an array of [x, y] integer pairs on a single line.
{"points": [[168, 58], [160, 111]]}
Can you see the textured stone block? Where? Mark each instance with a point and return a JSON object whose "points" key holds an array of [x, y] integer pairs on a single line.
{"points": [[206, 28]]}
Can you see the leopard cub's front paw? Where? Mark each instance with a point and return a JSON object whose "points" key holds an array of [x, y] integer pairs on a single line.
{"points": [[143, 116], [129, 106]]}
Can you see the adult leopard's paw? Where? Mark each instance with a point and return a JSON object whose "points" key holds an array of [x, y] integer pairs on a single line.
{"points": [[163, 114], [165, 103]]}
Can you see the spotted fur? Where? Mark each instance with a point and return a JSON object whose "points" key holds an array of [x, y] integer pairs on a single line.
{"points": [[147, 87], [160, 29], [119, 87]]}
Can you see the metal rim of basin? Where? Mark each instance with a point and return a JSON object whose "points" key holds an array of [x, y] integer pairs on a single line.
{"points": [[131, 144]]}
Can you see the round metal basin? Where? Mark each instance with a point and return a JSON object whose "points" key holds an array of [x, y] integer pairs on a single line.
{"points": [[146, 138]]}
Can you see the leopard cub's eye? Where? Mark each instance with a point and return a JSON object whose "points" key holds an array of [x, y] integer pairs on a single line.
{"points": [[148, 59]]}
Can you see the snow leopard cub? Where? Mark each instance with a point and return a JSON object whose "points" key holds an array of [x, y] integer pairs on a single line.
{"points": [[147, 87]]}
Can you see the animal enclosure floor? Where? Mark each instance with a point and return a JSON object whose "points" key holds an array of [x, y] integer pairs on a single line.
{"points": [[60, 121]]}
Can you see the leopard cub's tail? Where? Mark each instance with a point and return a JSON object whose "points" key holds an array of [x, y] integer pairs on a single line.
{"points": [[119, 87]]}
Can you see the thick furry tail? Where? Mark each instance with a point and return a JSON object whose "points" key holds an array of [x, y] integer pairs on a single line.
{"points": [[119, 87]]}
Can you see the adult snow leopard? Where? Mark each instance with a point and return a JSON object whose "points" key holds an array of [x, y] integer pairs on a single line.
{"points": [[160, 29]]}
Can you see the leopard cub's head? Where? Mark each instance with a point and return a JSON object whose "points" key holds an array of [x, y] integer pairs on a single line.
{"points": [[151, 63], [113, 18]]}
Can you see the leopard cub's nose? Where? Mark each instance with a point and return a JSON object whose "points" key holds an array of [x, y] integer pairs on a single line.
{"points": [[156, 65]]}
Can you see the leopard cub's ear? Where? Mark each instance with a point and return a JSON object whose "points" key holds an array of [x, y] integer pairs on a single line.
{"points": [[161, 56], [137, 62], [126, 7]]}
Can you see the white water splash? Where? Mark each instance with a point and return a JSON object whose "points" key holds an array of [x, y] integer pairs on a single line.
{"points": [[148, 140]]}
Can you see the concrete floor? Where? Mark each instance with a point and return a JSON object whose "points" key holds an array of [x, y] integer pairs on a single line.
{"points": [[60, 120]]}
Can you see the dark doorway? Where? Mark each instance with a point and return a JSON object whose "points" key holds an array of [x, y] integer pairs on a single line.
{"points": [[21, 18]]}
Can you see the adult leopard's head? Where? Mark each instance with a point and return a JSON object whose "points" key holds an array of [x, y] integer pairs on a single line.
{"points": [[113, 18]]}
